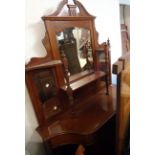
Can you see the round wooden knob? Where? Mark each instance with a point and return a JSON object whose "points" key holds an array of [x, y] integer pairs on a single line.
{"points": [[47, 85], [55, 108]]}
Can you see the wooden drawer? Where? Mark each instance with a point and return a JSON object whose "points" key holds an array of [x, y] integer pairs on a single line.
{"points": [[52, 107], [46, 85]]}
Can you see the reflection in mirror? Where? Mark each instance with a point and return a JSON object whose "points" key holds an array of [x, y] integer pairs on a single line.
{"points": [[75, 44]]}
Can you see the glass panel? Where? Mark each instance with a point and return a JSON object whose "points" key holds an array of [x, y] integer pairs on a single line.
{"points": [[75, 44]]}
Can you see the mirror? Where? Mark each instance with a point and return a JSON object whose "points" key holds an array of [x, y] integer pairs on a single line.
{"points": [[75, 44]]}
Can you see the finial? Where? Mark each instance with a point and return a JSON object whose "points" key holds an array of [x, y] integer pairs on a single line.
{"points": [[71, 7], [72, 2], [108, 42]]}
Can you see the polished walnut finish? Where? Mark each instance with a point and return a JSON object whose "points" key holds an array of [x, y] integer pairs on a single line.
{"points": [[82, 125], [64, 103]]}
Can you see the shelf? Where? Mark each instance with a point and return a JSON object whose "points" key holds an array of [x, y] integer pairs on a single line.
{"points": [[45, 65], [85, 80], [98, 107], [80, 75]]}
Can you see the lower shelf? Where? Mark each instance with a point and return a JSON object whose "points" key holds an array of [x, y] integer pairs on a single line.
{"points": [[81, 123]]}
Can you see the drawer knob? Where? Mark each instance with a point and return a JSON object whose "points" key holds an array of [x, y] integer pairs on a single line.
{"points": [[47, 85], [55, 108]]}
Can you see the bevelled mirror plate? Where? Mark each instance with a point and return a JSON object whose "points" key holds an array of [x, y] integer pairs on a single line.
{"points": [[75, 44]]}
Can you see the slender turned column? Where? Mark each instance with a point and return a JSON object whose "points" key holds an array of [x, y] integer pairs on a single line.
{"points": [[66, 72], [109, 58], [86, 47], [107, 69]]}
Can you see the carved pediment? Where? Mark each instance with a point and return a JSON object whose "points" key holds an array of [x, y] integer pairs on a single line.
{"points": [[66, 8]]}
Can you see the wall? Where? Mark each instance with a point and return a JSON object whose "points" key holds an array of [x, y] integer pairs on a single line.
{"points": [[121, 14], [107, 24], [35, 30], [125, 2], [125, 16]]}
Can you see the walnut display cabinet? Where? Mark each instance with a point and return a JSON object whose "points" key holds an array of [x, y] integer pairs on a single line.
{"points": [[68, 86]]}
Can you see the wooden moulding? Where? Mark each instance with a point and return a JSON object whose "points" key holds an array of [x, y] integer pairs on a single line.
{"points": [[85, 80], [44, 65], [79, 125], [120, 65], [117, 67]]}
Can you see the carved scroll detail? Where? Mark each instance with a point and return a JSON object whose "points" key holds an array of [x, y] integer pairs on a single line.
{"points": [[72, 9], [46, 43]]}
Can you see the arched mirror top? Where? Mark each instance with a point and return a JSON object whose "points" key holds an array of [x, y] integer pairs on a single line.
{"points": [[68, 8]]}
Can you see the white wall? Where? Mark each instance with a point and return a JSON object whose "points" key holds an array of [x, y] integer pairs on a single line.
{"points": [[125, 2], [121, 14], [107, 24], [125, 16], [35, 29]]}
